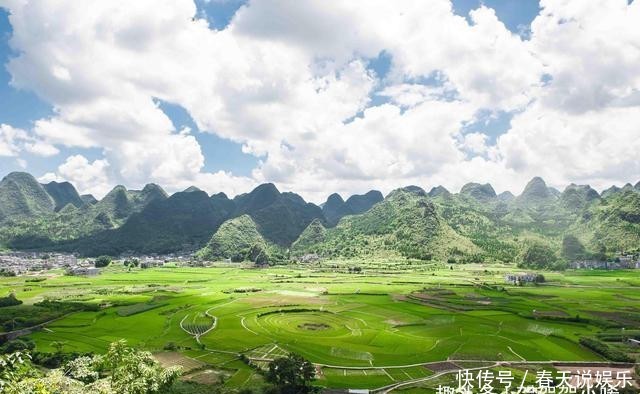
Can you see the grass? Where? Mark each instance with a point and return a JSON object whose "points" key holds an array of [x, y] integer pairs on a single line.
{"points": [[365, 328]]}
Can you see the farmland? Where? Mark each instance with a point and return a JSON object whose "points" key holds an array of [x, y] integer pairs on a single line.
{"points": [[394, 321]]}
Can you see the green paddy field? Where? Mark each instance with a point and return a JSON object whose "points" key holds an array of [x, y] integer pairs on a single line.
{"points": [[393, 322]]}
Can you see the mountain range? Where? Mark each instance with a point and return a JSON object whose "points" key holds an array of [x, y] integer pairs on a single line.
{"points": [[266, 225]]}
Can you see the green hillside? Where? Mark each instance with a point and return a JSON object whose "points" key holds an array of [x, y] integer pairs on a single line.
{"points": [[280, 217], [335, 208], [184, 221], [613, 222], [472, 225], [405, 223], [69, 229], [22, 197], [237, 239], [63, 194]]}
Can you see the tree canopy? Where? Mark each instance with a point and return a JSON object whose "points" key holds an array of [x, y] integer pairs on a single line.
{"points": [[122, 370], [291, 374]]}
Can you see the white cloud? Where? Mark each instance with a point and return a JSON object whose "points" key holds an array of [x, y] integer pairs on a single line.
{"points": [[13, 141], [475, 143], [290, 82], [41, 148], [10, 139], [88, 177], [50, 177], [591, 51]]}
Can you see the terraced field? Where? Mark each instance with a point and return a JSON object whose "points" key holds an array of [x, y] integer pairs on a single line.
{"points": [[362, 330]]}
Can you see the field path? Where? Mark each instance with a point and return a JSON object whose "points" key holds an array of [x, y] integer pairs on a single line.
{"points": [[198, 335], [245, 326], [514, 352]]}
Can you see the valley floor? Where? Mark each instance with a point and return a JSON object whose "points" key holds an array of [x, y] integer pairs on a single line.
{"points": [[396, 321]]}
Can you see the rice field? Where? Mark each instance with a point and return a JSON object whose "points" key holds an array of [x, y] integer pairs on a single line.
{"points": [[383, 326]]}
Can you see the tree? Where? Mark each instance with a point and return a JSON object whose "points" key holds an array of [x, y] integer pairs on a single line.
{"points": [[136, 372], [537, 255], [102, 261], [291, 374], [601, 255], [572, 248], [9, 300], [58, 345], [84, 369], [14, 368], [131, 263], [258, 255], [128, 371]]}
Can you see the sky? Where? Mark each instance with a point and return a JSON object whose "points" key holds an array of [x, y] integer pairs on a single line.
{"points": [[320, 97]]}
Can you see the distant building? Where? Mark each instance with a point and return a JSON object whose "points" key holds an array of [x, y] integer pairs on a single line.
{"points": [[83, 271], [309, 258], [521, 278], [151, 263], [589, 264], [621, 262]]}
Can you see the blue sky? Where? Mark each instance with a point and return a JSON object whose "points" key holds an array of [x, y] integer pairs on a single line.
{"points": [[21, 108], [341, 96]]}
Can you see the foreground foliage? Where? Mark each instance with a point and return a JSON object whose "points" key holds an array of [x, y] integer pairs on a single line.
{"points": [[291, 374], [121, 370]]}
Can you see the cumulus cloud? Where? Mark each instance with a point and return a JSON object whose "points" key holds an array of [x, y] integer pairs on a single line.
{"points": [[13, 141], [10, 139], [90, 177], [291, 82], [591, 53]]}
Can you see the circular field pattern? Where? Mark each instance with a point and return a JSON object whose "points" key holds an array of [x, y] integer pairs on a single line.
{"points": [[318, 324]]}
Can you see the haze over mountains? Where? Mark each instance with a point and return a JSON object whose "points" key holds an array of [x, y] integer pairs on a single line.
{"points": [[267, 225]]}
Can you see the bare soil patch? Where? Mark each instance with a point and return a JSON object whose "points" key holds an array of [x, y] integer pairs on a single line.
{"points": [[171, 359], [442, 366], [539, 313], [314, 326]]}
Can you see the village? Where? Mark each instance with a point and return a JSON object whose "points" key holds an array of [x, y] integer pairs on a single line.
{"points": [[16, 263], [622, 261], [13, 263]]}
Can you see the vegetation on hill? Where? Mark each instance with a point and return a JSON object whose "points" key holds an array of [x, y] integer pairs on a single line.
{"points": [[75, 229], [186, 220], [237, 239], [439, 191], [578, 197], [478, 192], [310, 239], [473, 225], [406, 223], [612, 222], [280, 217], [538, 255], [63, 194], [336, 208], [572, 248], [22, 197]]}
